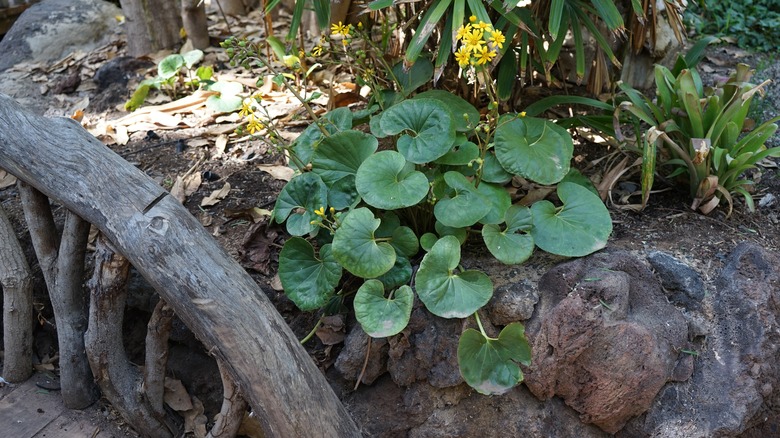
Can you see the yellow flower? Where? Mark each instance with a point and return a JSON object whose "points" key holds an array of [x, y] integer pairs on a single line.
{"points": [[316, 51], [462, 32], [246, 108], [522, 114], [474, 41], [320, 211], [463, 56], [254, 125], [485, 55], [497, 38], [473, 19], [332, 210], [483, 26], [339, 29]]}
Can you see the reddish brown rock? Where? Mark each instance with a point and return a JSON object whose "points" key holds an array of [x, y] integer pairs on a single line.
{"points": [[605, 339]]}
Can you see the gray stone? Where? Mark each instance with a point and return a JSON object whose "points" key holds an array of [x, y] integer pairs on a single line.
{"points": [[605, 339], [352, 358], [51, 29], [735, 386], [683, 285], [513, 302]]}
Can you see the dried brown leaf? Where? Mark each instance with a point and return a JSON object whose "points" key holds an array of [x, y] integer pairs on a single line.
{"points": [[185, 186], [176, 395], [6, 179], [216, 196], [332, 331], [283, 173]]}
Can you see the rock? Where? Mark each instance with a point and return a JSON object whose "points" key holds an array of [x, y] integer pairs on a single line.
{"points": [[351, 359], [51, 29], [683, 285], [605, 339], [735, 387], [513, 302], [426, 350]]}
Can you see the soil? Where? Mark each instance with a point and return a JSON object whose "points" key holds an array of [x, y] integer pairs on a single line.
{"points": [[667, 224]]}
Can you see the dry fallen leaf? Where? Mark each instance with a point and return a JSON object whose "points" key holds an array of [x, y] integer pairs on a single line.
{"points": [[176, 396], [283, 173], [332, 331], [194, 420], [185, 186], [219, 145], [216, 196], [121, 137], [6, 179]]}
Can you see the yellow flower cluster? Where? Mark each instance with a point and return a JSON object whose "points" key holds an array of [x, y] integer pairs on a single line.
{"points": [[343, 30], [479, 43]]}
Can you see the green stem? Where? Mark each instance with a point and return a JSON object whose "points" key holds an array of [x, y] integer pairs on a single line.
{"points": [[479, 323], [312, 332]]}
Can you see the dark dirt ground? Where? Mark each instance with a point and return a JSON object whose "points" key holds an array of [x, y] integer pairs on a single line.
{"points": [[667, 224]]}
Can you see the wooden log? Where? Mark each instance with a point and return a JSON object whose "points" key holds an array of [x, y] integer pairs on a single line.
{"points": [[17, 282], [209, 291]]}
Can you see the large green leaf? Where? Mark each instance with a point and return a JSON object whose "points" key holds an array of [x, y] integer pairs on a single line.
{"points": [[356, 248], [386, 180], [493, 172], [581, 226], [170, 66], [535, 149], [466, 208], [340, 119], [228, 99], [379, 316], [491, 365], [499, 202], [341, 155], [463, 113], [447, 293], [297, 202], [414, 77], [405, 241], [510, 246], [399, 274], [462, 153], [427, 127], [307, 280]]}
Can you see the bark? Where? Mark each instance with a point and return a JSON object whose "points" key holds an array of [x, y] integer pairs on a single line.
{"points": [[62, 270], [156, 358], [17, 284], [233, 408], [151, 25], [209, 291], [195, 24], [120, 381]]}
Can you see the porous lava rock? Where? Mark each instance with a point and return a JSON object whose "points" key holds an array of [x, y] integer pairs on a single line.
{"points": [[735, 387], [605, 339]]}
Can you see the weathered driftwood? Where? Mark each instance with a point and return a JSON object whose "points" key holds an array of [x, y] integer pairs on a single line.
{"points": [[17, 305], [62, 263], [209, 291]]}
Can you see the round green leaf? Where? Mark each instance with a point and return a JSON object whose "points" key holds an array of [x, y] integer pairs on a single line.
{"points": [[427, 241], [508, 248], [342, 193], [493, 172], [574, 176], [379, 316], [170, 66], [490, 366], [355, 247], [386, 180], [463, 113], [307, 280], [390, 221], [405, 241], [466, 208], [499, 202], [446, 293], [192, 57], [579, 228], [340, 119], [460, 154], [427, 125], [297, 202], [227, 100], [341, 154], [535, 149], [398, 275]]}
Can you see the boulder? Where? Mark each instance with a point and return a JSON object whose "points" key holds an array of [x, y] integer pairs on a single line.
{"points": [[735, 387], [605, 339], [52, 29]]}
